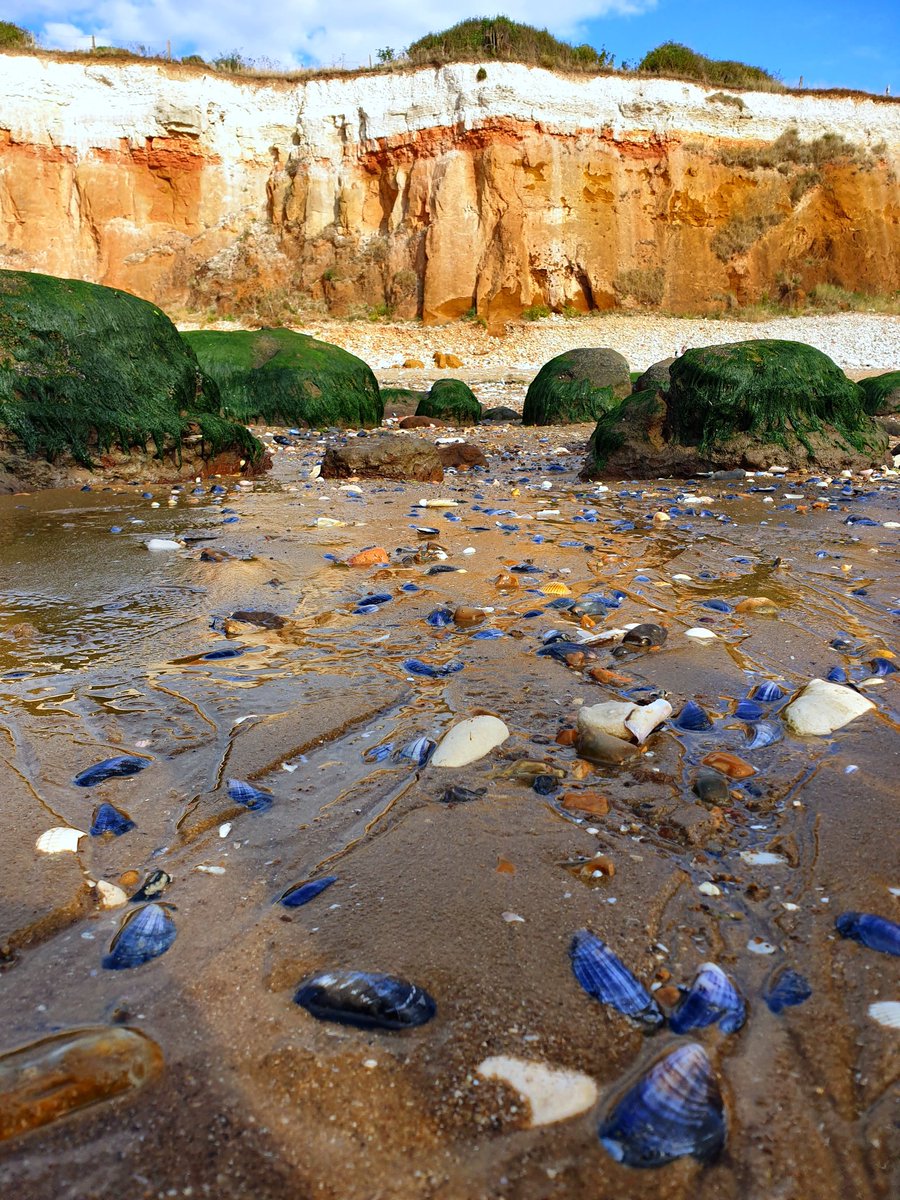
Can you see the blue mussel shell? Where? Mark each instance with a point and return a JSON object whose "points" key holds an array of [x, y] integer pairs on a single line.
{"points": [[870, 930], [365, 999], [674, 1110], [786, 989], [249, 796], [693, 718], [608, 980], [146, 933], [712, 999], [299, 894], [108, 819], [111, 768]]}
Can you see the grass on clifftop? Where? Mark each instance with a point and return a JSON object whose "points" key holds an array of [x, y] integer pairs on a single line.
{"points": [[280, 377], [84, 368], [500, 40], [674, 59]]}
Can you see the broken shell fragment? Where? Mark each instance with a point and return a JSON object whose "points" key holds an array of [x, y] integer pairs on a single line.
{"points": [[59, 840], [712, 999], [553, 1094], [469, 741]]}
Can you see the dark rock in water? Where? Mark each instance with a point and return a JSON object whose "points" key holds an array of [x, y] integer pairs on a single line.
{"points": [[501, 413], [108, 819], [111, 768], [870, 930], [385, 456], [453, 401], [462, 795], [144, 934], [154, 885], [786, 989], [365, 999], [262, 619], [277, 376], [645, 635], [248, 796], [712, 999], [91, 375], [674, 1110], [747, 404], [711, 787], [578, 385], [545, 785], [301, 893], [655, 378], [608, 980], [461, 456]]}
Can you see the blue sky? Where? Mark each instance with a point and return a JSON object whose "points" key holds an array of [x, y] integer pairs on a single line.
{"points": [[829, 43]]}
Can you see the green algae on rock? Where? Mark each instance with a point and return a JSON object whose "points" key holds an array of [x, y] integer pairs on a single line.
{"points": [[881, 394], [745, 404], [277, 377], [451, 400], [85, 369], [578, 385]]}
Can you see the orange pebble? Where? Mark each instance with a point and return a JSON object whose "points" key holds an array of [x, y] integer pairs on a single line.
{"points": [[729, 764], [373, 557]]}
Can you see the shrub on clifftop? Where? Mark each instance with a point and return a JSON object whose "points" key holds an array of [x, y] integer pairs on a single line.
{"points": [[279, 377], [85, 368], [498, 38]]}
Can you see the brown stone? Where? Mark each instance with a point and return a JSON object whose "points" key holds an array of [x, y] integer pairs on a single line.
{"points": [[467, 617], [567, 737], [443, 361], [374, 556], [420, 423], [385, 456], [696, 824], [461, 456], [413, 364], [667, 996], [729, 764], [589, 802]]}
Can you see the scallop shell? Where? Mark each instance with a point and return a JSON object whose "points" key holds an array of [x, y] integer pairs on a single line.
{"points": [[556, 588], [59, 840], [145, 933], [604, 977], [365, 999], [886, 1012], [712, 999], [674, 1110]]}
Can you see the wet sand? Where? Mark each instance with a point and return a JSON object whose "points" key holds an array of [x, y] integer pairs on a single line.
{"points": [[102, 649]]}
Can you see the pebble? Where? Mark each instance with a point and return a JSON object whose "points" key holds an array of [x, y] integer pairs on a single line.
{"points": [[469, 741], [700, 634], [823, 707]]}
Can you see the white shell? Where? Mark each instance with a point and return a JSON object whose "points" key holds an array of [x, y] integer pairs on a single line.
{"points": [[709, 889], [608, 717], [163, 544], [110, 895], [822, 707], [439, 503], [762, 858], [886, 1012], [760, 946], [59, 840], [468, 741], [553, 1094], [702, 635], [644, 718]]}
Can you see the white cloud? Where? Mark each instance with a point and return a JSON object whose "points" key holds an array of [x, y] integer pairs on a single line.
{"points": [[293, 32]]}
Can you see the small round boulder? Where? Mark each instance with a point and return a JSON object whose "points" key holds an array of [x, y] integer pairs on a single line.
{"points": [[578, 385], [451, 400]]}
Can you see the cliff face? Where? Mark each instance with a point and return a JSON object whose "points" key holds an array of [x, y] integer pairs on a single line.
{"points": [[434, 192]]}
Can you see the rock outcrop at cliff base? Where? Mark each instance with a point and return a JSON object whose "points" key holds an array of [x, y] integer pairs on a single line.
{"points": [[746, 404]]}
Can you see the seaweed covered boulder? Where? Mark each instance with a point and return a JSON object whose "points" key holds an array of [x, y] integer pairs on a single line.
{"points": [[451, 400], [746, 404], [278, 377], [578, 385], [656, 377], [881, 394], [92, 377]]}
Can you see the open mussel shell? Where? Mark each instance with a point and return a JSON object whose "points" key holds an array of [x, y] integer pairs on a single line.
{"points": [[604, 977], [154, 885], [693, 718], [145, 933], [365, 999], [250, 797], [108, 819], [299, 894], [762, 734], [870, 930], [674, 1110], [111, 768], [417, 751], [882, 666], [712, 999], [415, 666], [440, 618], [786, 988]]}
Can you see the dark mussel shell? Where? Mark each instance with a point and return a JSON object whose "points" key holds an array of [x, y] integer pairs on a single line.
{"points": [[693, 718], [299, 894], [111, 768], [768, 693], [108, 819], [378, 753], [721, 606], [712, 999], [416, 667], [870, 930], [440, 618], [417, 751], [762, 734], [748, 710], [785, 989], [882, 666], [608, 980], [645, 635], [365, 999], [146, 933], [674, 1110], [462, 795], [561, 650], [154, 885], [587, 606], [250, 797]]}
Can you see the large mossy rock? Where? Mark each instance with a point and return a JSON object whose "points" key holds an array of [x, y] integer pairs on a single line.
{"points": [[656, 377], [89, 372], [578, 385], [278, 377], [451, 400], [747, 404], [882, 394]]}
